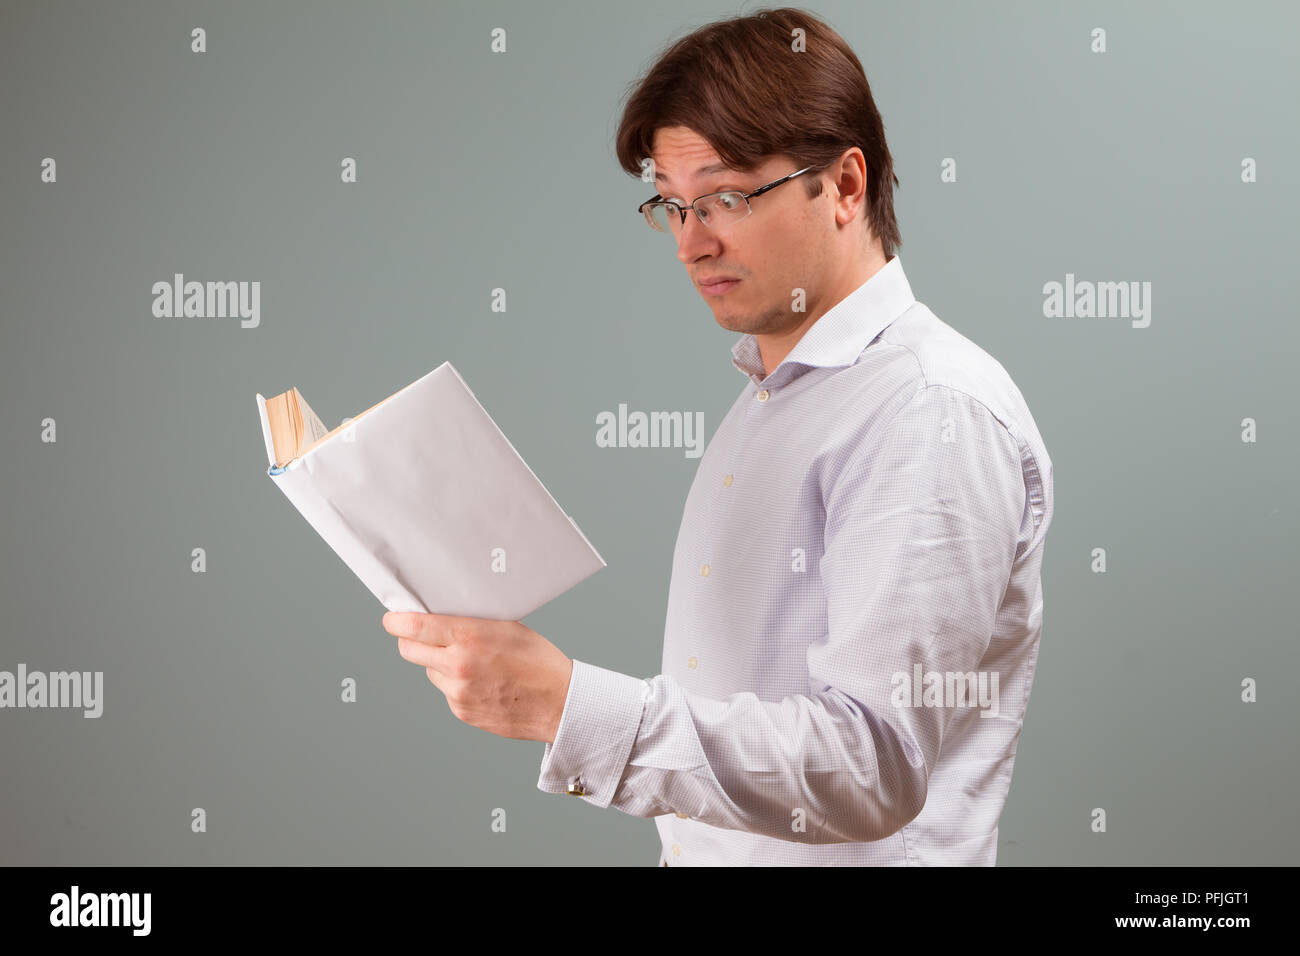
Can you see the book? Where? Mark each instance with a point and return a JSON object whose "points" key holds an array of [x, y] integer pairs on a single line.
{"points": [[424, 498]]}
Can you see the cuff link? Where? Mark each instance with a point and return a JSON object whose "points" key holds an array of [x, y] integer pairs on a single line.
{"points": [[576, 789]]}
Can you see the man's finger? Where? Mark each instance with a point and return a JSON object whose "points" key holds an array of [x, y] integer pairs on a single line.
{"points": [[443, 683], [426, 655], [438, 680], [429, 628]]}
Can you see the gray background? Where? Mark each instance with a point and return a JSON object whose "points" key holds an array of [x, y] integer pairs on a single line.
{"points": [[479, 170]]}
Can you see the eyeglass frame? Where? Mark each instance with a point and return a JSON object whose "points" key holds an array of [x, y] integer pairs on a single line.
{"points": [[743, 195]]}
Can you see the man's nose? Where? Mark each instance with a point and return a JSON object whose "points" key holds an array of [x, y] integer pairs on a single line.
{"points": [[695, 239]]}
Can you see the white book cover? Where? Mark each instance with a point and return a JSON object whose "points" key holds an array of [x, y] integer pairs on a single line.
{"points": [[429, 504]]}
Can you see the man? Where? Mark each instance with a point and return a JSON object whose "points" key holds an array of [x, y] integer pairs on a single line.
{"points": [[856, 602]]}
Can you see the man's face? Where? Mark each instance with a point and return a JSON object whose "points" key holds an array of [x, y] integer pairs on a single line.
{"points": [[781, 246]]}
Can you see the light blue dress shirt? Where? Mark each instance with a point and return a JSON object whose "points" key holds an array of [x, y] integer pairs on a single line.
{"points": [[854, 612]]}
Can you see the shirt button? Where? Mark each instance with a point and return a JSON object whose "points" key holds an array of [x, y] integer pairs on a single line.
{"points": [[705, 570], [677, 849], [692, 662], [763, 395], [726, 482]]}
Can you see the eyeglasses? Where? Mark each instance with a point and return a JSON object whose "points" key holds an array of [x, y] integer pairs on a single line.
{"points": [[716, 210]]}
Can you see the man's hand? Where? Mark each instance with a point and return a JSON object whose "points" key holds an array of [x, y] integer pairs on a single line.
{"points": [[499, 676]]}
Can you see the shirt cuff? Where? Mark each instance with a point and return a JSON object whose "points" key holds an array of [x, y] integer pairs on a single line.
{"points": [[602, 714]]}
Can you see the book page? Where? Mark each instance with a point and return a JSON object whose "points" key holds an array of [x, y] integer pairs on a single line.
{"points": [[316, 441], [313, 428]]}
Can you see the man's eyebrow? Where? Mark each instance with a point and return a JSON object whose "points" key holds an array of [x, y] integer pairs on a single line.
{"points": [[702, 171]]}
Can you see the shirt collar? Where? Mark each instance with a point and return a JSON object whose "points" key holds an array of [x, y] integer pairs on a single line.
{"points": [[838, 337]]}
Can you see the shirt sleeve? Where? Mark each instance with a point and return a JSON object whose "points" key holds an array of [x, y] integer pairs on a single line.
{"points": [[921, 530]]}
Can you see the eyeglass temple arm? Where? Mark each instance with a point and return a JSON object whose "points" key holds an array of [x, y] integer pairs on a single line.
{"points": [[762, 189]]}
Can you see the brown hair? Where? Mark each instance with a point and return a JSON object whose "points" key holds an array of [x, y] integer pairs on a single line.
{"points": [[741, 85]]}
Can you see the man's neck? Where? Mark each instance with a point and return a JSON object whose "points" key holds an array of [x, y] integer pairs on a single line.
{"points": [[773, 347]]}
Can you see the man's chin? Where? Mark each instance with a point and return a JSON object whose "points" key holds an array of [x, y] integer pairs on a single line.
{"points": [[747, 324], [730, 322]]}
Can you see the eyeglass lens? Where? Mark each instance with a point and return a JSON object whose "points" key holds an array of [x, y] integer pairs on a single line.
{"points": [[713, 211]]}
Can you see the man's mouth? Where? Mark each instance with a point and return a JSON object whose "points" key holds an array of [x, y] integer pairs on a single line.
{"points": [[718, 286]]}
